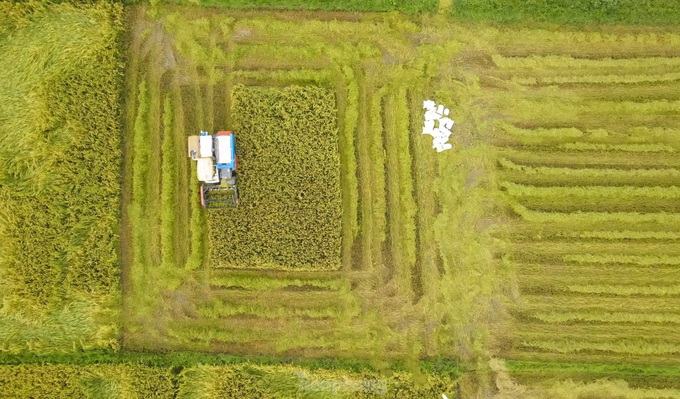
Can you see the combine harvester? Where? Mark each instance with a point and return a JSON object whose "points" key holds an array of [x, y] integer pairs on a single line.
{"points": [[215, 157]]}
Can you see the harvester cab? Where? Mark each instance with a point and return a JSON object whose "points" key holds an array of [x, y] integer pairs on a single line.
{"points": [[216, 162]]}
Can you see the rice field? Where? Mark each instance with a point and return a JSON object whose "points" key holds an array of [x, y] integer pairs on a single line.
{"points": [[289, 183], [243, 380], [538, 258], [59, 188], [189, 69], [549, 233], [586, 161]]}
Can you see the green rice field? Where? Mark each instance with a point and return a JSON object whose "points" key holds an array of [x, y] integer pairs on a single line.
{"points": [[538, 258]]}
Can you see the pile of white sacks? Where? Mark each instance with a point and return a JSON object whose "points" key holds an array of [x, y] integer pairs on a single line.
{"points": [[438, 125]]}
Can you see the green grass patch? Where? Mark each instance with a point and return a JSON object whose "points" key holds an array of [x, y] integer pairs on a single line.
{"points": [[636, 369], [577, 12]]}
